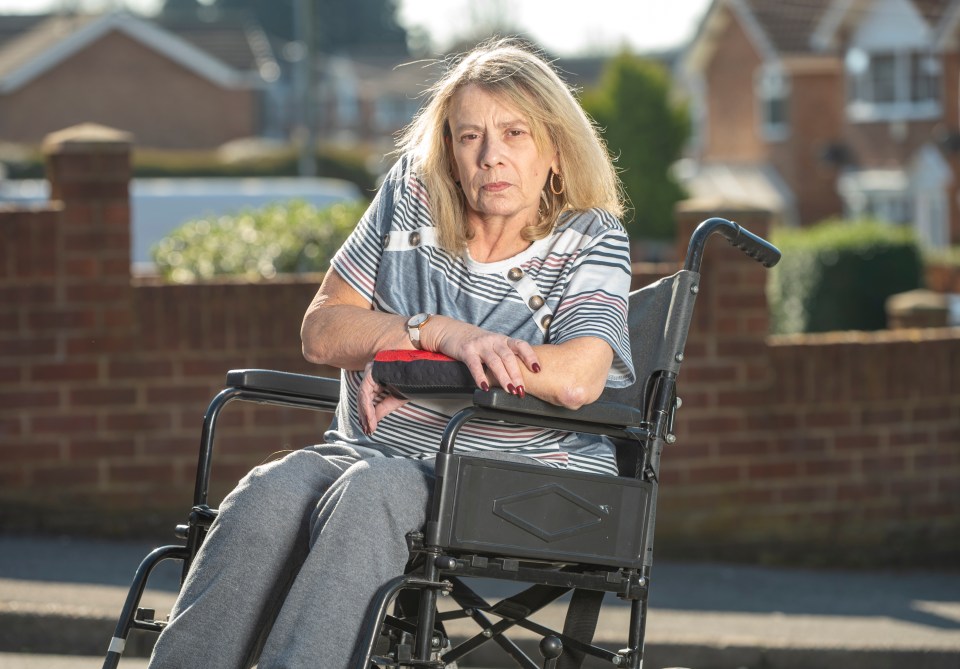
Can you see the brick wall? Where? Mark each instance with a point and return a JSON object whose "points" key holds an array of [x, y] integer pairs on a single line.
{"points": [[103, 381], [839, 447]]}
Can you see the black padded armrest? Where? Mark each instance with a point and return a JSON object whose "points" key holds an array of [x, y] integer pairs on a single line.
{"points": [[285, 383], [604, 413]]}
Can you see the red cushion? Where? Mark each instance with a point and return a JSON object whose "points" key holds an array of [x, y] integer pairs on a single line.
{"points": [[422, 374]]}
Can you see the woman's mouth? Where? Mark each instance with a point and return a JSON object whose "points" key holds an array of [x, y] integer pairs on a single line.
{"points": [[496, 186]]}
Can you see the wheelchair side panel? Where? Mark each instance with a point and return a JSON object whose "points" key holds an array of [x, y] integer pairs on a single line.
{"points": [[540, 513]]}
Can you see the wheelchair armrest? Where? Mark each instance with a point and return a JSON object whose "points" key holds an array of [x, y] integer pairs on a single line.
{"points": [[603, 413], [285, 383]]}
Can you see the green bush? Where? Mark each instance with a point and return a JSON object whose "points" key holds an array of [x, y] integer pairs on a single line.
{"points": [[280, 238], [837, 275]]}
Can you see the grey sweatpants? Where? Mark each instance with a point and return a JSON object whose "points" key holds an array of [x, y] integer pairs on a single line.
{"points": [[299, 550]]}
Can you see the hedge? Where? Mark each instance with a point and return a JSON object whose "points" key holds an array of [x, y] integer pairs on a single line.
{"points": [[837, 275], [336, 163], [257, 244]]}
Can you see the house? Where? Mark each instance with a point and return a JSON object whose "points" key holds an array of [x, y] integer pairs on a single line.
{"points": [[817, 108], [191, 84]]}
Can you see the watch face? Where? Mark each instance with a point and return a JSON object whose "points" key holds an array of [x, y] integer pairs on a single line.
{"points": [[418, 320]]}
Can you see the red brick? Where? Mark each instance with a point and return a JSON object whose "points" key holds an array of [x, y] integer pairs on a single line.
{"points": [[157, 472], [714, 474], [82, 267], [92, 448], [28, 452], [62, 319], [28, 347], [11, 374], [108, 396], [805, 494], [867, 442], [701, 373], [140, 420], [170, 445], [192, 395], [748, 447], [98, 343], [28, 398], [828, 418], [772, 470], [834, 466], [105, 243], [936, 412], [32, 293], [65, 371], [10, 427], [801, 443], [140, 369], [64, 477], [64, 423], [100, 291]]}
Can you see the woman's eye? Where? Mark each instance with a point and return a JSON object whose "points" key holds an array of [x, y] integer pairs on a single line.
{"points": [[468, 137]]}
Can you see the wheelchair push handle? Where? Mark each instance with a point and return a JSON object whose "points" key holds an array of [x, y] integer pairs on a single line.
{"points": [[753, 245]]}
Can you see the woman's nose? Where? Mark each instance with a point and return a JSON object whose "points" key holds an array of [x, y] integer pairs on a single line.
{"points": [[491, 154]]}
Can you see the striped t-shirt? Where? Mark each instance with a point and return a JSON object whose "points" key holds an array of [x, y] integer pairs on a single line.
{"points": [[573, 283]]}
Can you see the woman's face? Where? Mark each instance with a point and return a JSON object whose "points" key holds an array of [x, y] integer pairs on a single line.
{"points": [[495, 159]]}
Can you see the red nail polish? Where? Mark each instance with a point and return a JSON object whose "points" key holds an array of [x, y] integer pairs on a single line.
{"points": [[521, 392], [536, 368], [511, 389], [485, 387]]}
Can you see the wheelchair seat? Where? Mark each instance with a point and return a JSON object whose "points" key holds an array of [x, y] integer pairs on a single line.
{"points": [[557, 531]]}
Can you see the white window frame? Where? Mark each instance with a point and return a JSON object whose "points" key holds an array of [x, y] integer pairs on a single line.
{"points": [[861, 105], [773, 86]]}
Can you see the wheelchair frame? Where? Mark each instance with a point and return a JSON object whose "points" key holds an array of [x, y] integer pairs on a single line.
{"points": [[455, 543]]}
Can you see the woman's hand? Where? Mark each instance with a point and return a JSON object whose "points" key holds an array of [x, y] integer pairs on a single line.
{"points": [[374, 401], [502, 356]]}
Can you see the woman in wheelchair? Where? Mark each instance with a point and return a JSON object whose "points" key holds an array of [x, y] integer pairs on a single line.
{"points": [[494, 240]]}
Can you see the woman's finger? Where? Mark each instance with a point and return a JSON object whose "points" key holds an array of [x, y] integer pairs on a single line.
{"points": [[386, 405], [370, 396], [497, 365], [526, 354]]}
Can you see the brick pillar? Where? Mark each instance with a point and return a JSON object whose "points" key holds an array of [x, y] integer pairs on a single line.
{"points": [[67, 312], [88, 167], [725, 383], [732, 319]]}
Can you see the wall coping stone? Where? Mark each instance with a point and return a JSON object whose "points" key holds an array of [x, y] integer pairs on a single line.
{"points": [[88, 138]]}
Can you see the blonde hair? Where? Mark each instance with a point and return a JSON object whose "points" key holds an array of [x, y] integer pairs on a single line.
{"points": [[505, 68]]}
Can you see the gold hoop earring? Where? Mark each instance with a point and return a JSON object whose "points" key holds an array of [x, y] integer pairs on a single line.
{"points": [[556, 190]]}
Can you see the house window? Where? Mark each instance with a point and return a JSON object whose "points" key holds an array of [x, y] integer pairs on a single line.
{"points": [[773, 93], [882, 194], [892, 85]]}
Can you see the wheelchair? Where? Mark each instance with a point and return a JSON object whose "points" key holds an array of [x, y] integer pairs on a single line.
{"points": [[553, 531]]}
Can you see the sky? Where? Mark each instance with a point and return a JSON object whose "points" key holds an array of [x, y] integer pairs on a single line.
{"points": [[562, 27]]}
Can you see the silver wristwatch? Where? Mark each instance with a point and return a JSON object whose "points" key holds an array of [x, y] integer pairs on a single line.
{"points": [[414, 324]]}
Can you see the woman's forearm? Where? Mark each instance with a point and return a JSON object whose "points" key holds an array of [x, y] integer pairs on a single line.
{"points": [[571, 374], [341, 329], [348, 336]]}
